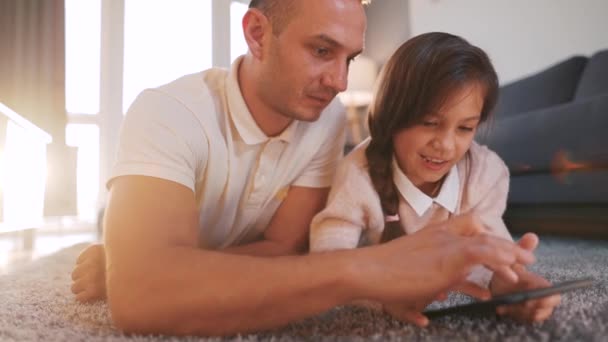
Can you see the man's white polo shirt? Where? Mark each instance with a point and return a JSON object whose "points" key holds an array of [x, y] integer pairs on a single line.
{"points": [[197, 131]]}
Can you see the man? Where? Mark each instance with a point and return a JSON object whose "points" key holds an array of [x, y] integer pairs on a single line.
{"points": [[220, 170]]}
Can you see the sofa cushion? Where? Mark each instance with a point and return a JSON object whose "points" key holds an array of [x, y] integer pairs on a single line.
{"points": [[534, 141], [594, 80], [552, 86]]}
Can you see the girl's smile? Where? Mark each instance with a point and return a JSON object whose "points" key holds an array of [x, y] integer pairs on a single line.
{"points": [[433, 164], [426, 151]]}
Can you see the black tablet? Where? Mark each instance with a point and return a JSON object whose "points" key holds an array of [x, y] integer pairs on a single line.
{"points": [[489, 306]]}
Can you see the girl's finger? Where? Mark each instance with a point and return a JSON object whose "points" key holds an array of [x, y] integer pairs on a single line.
{"points": [[549, 302], [441, 297], [416, 318], [542, 314]]}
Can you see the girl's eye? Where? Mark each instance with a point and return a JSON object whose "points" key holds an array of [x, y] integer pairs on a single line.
{"points": [[429, 123], [466, 129]]}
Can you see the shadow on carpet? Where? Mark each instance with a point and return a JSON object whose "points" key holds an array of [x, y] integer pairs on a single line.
{"points": [[36, 305]]}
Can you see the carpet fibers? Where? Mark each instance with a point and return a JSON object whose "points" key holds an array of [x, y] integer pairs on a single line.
{"points": [[36, 305]]}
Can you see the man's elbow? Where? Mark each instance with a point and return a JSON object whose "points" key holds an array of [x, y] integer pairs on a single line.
{"points": [[137, 310], [133, 306], [143, 319], [128, 313], [132, 320]]}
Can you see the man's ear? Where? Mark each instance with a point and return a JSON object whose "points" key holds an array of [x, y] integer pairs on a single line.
{"points": [[257, 28]]}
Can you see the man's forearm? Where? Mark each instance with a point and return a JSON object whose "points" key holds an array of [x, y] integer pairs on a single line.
{"points": [[266, 248], [189, 291]]}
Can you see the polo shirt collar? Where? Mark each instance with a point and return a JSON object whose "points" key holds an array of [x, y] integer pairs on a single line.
{"points": [[245, 125], [421, 202]]}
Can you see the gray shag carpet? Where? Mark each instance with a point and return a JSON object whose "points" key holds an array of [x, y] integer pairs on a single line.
{"points": [[36, 305]]}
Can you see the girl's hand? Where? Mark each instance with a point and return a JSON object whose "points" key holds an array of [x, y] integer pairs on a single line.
{"points": [[412, 312], [535, 310]]}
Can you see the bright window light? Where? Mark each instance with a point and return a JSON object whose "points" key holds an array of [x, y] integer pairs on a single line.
{"points": [[238, 45], [82, 55], [23, 177], [86, 138], [163, 41]]}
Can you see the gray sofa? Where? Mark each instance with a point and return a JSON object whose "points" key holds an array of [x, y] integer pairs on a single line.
{"points": [[551, 128]]}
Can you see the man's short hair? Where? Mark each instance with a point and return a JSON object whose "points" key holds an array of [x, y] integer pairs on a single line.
{"points": [[279, 12]]}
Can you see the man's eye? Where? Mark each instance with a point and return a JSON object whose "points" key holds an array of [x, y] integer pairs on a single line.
{"points": [[321, 52]]}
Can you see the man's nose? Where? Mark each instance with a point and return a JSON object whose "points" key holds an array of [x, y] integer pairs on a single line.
{"points": [[337, 77]]}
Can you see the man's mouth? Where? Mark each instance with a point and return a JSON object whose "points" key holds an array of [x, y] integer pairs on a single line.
{"points": [[321, 99]]}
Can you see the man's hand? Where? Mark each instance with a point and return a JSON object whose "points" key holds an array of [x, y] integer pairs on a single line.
{"points": [[535, 310], [437, 259], [89, 275], [411, 312], [462, 226]]}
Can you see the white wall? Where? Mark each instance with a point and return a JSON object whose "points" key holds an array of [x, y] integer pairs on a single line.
{"points": [[521, 36], [387, 28]]}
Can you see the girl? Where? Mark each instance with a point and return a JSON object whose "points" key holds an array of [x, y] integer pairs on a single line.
{"points": [[420, 165]]}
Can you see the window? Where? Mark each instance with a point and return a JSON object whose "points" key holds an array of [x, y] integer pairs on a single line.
{"points": [[238, 45], [157, 41], [164, 40], [82, 55], [22, 175], [86, 138]]}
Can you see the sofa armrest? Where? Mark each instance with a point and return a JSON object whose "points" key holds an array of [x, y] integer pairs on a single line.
{"points": [[552, 86]]}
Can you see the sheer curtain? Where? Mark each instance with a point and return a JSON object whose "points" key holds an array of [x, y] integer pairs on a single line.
{"points": [[32, 82]]}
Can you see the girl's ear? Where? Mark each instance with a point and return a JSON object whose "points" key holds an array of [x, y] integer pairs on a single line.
{"points": [[257, 29]]}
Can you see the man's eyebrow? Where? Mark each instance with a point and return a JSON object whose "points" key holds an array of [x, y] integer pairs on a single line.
{"points": [[335, 44], [327, 39]]}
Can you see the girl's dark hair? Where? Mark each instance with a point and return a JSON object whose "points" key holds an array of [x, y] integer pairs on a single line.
{"points": [[417, 80]]}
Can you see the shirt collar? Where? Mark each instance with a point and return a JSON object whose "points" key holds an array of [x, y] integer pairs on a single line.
{"points": [[421, 202], [245, 125]]}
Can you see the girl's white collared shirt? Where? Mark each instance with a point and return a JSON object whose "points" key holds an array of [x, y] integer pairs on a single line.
{"points": [[353, 217]]}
